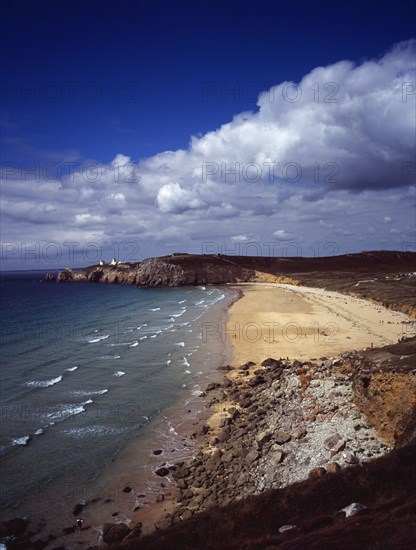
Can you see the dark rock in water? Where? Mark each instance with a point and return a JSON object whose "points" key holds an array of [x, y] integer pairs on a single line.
{"points": [[158, 452], [69, 530], [162, 471], [212, 386], [14, 527], [49, 277], [127, 489], [114, 532], [78, 508], [225, 367]]}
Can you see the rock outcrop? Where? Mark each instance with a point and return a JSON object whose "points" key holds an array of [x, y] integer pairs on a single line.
{"points": [[168, 271], [367, 275]]}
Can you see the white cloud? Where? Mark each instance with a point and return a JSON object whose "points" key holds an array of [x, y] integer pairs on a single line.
{"points": [[173, 198], [87, 218], [315, 169], [239, 238], [283, 235]]}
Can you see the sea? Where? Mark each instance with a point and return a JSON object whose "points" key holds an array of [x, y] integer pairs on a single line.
{"points": [[94, 379]]}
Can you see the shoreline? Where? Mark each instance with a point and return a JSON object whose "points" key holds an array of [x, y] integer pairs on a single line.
{"points": [[310, 401], [131, 492], [214, 415]]}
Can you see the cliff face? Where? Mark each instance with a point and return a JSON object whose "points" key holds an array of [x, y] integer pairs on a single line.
{"points": [[175, 270], [386, 277]]}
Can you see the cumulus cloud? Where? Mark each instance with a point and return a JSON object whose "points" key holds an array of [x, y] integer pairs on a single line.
{"points": [[330, 157], [342, 126], [283, 235], [173, 198]]}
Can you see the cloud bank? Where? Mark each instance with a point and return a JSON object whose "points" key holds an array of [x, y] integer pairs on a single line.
{"points": [[329, 158]]}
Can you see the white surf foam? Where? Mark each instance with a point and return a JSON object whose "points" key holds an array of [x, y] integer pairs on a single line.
{"points": [[21, 440], [44, 383], [98, 339]]}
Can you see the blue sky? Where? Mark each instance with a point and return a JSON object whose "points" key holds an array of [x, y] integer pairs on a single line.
{"points": [[144, 128]]}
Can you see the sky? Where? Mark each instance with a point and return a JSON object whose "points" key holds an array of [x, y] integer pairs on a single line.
{"points": [[254, 127]]}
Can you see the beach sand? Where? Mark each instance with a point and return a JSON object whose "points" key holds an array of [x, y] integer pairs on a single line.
{"points": [[279, 320], [269, 320]]}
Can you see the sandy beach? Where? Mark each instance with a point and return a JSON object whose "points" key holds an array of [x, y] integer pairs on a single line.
{"points": [[279, 320], [269, 320]]}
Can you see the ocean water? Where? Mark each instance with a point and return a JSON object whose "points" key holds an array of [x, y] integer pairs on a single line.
{"points": [[87, 369]]}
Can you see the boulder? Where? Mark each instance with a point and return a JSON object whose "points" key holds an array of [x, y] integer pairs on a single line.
{"points": [[262, 438], [334, 443], [252, 456], [333, 467], [276, 457], [272, 363], [78, 508], [282, 437], [16, 526], [317, 472], [114, 532], [187, 515], [247, 365], [182, 484], [162, 471]]}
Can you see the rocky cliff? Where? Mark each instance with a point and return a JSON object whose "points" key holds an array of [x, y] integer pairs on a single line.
{"points": [[387, 277], [174, 270]]}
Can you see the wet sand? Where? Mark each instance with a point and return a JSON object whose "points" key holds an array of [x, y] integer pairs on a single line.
{"points": [[269, 320], [135, 465]]}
